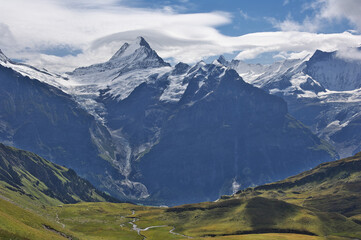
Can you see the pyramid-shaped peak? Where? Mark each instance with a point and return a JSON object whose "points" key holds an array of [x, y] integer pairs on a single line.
{"points": [[139, 47], [134, 55]]}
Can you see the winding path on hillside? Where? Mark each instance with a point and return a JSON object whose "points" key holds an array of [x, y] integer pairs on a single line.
{"points": [[57, 220], [139, 230]]}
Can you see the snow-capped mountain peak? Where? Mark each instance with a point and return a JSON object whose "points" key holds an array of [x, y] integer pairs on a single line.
{"points": [[334, 73], [136, 55], [139, 46], [133, 64]]}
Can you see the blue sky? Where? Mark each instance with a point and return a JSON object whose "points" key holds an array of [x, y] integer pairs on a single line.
{"points": [[63, 34], [249, 16]]}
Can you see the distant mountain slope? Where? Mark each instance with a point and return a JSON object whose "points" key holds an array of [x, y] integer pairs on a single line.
{"points": [[333, 72], [322, 90], [330, 187], [194, 132], [27, 174], [222, 134]]}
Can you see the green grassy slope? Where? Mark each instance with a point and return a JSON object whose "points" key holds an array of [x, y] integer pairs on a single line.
{"points": [[95, 221], [318, 204], [258, 215], [330, 187], [226, 219], [20, 224], [27, 178]]}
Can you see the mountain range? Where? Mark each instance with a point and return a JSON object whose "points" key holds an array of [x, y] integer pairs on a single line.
{"points": [[140, 129]]}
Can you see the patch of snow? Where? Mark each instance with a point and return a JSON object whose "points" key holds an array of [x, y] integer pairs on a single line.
{"points": [[335, 73], [41, 75], [175, 89], [353, 96]]}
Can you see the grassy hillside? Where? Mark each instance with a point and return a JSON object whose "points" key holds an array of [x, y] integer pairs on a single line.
{"points": [[330, 187], [318, 204], [18, 223], [255, 218], [259, 215], [29, 179]]}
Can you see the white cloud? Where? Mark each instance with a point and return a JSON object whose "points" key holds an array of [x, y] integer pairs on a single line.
{"points": [[337, 9], [6, 37], [244, 15], [325, 12], [307, 25], [295, 42], [293, 55], [98, 29], [349, 54], [39, 25]]}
